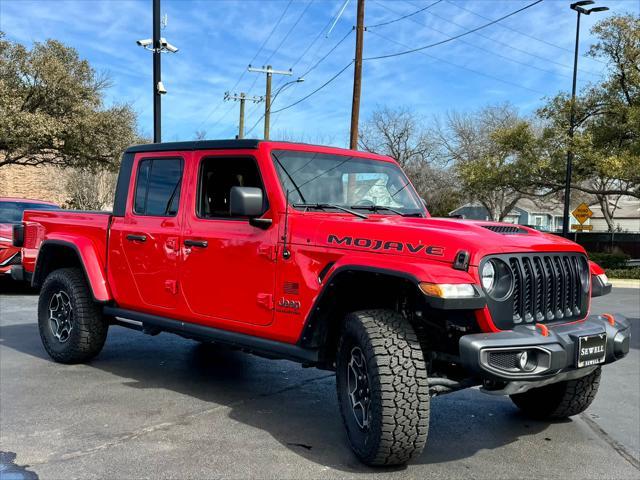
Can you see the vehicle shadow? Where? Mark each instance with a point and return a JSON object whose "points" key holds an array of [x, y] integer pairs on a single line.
{"points": [[296, 406], [8, 286]]}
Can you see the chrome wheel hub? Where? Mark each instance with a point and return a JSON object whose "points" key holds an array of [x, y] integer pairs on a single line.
{"points": [[358, 387], [60, 316]]}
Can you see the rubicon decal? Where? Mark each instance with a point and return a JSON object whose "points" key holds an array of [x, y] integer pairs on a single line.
{"points": [[382, 245]]}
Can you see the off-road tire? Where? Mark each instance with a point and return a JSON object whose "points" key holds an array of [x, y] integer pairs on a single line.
{"points": [[559, 400], [399, 391], [89, 329]]}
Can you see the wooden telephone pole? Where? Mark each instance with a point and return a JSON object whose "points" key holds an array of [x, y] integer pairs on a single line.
{"points": [[357, 77], [267, 98], [242, 97]]}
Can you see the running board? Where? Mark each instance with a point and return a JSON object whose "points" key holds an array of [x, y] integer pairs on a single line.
{"points": [[256, 345]]}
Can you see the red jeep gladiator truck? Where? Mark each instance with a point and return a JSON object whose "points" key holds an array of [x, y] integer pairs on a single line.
{"points": [[327, 257]]}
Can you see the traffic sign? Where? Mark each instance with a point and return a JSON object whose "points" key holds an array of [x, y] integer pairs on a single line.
{"points": [[582, 228], [582, 213]]}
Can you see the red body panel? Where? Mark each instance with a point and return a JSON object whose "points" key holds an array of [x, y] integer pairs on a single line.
{"points": [[241, 281]]}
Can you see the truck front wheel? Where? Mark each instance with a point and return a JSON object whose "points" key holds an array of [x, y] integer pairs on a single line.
{"points": [[559, 400], [382, 387], [71, 325]]}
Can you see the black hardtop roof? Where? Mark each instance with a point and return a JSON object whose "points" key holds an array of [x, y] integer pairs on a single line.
{"points": [[238, 144]]}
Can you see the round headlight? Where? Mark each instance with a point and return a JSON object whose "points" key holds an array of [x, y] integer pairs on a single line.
{"points": [[488, 276], [497, 279]]}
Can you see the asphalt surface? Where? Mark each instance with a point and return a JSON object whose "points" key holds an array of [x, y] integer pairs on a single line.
{"points": [[165, 407]]}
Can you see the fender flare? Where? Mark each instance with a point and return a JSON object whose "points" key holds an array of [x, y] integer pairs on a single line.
{"points": [[88, 259], [329, 273]]}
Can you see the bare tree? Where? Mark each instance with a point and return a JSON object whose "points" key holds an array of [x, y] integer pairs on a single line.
{"points": [[90, 189], [481, 163], [401, 134]]}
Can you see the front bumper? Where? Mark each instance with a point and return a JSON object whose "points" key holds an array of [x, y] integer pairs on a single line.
{"points": [[557, 352]]}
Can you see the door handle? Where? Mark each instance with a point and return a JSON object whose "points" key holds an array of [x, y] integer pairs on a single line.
{"points": [[196, 243], [136, 238]]}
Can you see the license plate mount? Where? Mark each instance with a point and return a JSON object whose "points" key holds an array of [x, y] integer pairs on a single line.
{"points": [[592, 350]]}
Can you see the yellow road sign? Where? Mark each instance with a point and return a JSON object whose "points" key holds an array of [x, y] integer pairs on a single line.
{"points": [[582, 213], [582, 228]]}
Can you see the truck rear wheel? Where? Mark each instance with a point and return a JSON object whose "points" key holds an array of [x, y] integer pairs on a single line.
{"points": [[382, 387], [71, 325], [559, 400]]}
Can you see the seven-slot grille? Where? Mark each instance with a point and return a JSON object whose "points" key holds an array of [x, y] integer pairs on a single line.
{"points": [[547, 287]]}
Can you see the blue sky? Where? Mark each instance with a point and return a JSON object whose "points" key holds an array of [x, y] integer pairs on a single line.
{"points": [[520, 60]]}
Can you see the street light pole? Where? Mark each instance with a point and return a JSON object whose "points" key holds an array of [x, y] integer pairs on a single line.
{"points": [[157, 99], [157, 45], [578, 7]]}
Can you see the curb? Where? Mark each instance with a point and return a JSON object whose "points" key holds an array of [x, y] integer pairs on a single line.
{"points": [[625, 282]]}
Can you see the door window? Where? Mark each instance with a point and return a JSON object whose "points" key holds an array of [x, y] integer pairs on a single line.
{"points": [[158, 187], [218, 176]]}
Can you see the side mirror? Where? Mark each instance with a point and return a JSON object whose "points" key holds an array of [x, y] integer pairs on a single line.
{"points": [[245, 202], [248, 202]]}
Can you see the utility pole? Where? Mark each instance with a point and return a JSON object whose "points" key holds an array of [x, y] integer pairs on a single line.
{"points": [[357, 77], [267, 98], [580, 10], [157, 80], [242, 97]]}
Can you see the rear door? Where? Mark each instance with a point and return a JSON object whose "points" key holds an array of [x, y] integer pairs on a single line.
{"points": [[228, 267], [145, 244]]}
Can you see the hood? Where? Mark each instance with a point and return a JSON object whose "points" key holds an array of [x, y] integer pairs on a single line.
{"points": [[429, 238]]}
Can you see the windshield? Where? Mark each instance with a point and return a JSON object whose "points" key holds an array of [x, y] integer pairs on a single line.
{"points": [[357, 183], [11, 212]]}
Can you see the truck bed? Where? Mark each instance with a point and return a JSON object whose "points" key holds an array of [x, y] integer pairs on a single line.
{"points": [[61, 226]]}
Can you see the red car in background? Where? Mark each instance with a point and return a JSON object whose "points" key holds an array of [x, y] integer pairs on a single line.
{"points": [[10, 214]]}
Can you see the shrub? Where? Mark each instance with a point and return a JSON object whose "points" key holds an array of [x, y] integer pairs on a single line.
{"points": [[624, 273], [609, 260]]}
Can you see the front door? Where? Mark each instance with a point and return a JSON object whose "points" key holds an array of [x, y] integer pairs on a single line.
{"points": [[228, 269], [149, 235]]}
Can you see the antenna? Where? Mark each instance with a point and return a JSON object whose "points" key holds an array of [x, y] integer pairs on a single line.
{"points": [[164, 21], [286, 254]]}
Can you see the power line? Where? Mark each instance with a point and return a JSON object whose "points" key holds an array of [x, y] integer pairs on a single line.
{"points": [[404, 16], [498, 79], [329, 52], [491, 52], [284, 39], [244, 71], [334, 77], [505, 44], [380, 57], [507, 27], [323, 58]]}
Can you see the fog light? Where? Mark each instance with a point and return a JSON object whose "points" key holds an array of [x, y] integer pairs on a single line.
{"points": [[527, 362]]}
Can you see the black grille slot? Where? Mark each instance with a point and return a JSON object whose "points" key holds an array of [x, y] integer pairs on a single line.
{"points": [[503, 360], [547, 287]]}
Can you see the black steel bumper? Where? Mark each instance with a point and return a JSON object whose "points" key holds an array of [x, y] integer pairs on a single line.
{"points": [[556, 353]]}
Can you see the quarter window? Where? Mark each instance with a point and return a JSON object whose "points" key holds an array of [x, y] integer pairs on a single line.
{"points": [[158, 187]]}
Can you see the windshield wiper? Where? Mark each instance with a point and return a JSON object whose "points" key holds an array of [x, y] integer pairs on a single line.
{"points": [[322, 206], [377, 208]]}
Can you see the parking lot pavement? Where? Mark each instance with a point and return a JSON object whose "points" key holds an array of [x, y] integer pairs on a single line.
{"points": [[165, 407]]}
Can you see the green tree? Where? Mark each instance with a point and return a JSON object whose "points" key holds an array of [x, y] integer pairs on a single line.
{"points": [[52, 112], [606, 141]]}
